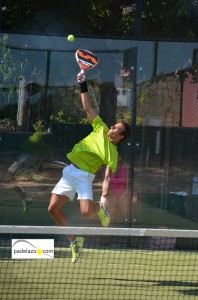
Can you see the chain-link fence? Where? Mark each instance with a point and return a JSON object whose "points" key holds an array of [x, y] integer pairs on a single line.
{"points": [[147, 75]]}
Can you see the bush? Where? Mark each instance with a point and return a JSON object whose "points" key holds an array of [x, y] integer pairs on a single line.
{"points": [[7, 125]]}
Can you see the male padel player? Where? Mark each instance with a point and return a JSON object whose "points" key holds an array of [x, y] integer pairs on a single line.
{"points": [[98, 148]]}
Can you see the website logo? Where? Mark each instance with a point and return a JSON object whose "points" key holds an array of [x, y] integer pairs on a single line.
{"points": [[32, 248]]}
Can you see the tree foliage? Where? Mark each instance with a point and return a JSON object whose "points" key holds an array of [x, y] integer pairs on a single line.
{"points": [[158, 19], [8, 70]]}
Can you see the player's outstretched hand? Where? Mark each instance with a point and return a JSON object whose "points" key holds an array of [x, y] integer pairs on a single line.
{"points": [[104, 200], [81, 77]]}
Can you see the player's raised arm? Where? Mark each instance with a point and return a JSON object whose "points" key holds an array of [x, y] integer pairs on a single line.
{"points": [[86, 100], [86, 60]]}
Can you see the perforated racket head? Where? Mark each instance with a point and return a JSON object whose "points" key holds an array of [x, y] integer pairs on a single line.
{"points": [[86, 59]]}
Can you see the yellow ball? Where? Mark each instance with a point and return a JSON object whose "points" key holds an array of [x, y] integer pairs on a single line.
{"points": [[39, 251], [70, 38]]}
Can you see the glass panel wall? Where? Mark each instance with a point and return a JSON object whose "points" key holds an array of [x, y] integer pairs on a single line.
{"points": [[147, 75], [44, 97], [166, 134]]}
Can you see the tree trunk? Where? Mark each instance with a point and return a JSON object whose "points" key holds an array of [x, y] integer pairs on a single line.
{"points": [[22, 106]]}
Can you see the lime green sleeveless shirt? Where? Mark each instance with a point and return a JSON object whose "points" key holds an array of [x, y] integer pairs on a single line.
{"points": [[95, 149]]}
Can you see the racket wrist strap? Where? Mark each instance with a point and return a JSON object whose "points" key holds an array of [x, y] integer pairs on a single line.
{"points": [[83, 87]]}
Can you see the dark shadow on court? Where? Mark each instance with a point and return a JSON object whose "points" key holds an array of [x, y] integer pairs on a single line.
{"points": [[142, 284]]}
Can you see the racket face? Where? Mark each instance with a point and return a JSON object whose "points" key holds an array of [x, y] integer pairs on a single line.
{"points": [[86, 59]]}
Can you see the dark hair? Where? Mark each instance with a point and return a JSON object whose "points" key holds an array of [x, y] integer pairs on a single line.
{"points": [[127, 130]]}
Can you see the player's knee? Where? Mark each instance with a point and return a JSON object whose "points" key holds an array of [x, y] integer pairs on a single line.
{"points": [[52, 210], [86, 212]]}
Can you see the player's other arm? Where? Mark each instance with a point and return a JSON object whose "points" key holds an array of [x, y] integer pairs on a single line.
{"points": [[106, 186], [85, 98]]}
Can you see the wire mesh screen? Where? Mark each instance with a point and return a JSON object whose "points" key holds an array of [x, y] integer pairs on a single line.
{"points": [[144, 72], [168, 100], [170, 19], [159, 102], [86, 18], [112, 264], [42, 86], [145, 19]]}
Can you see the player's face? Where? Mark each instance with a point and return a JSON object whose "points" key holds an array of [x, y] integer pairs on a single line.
{"points": [[115, 132]]}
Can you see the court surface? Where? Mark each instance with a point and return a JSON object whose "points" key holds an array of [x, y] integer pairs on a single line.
{"points": [[101, 273]]}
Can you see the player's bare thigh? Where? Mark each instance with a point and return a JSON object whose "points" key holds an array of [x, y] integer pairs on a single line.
{"points": [[57, 202], [88, 208]]}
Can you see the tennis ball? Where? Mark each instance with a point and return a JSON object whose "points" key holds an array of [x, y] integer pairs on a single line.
{"points": [[70, 38]]}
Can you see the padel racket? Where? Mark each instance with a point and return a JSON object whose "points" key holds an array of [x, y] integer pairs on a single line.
{"points": [[86, 60]]}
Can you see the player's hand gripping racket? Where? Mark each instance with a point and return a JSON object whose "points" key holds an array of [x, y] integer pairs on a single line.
{"points": [[86, 60]]}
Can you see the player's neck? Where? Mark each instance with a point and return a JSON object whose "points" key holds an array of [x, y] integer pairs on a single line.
{"points": [[115, 142]]}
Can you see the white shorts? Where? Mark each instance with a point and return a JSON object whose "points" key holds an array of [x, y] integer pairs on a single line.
{"points": [[74, 181]]}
